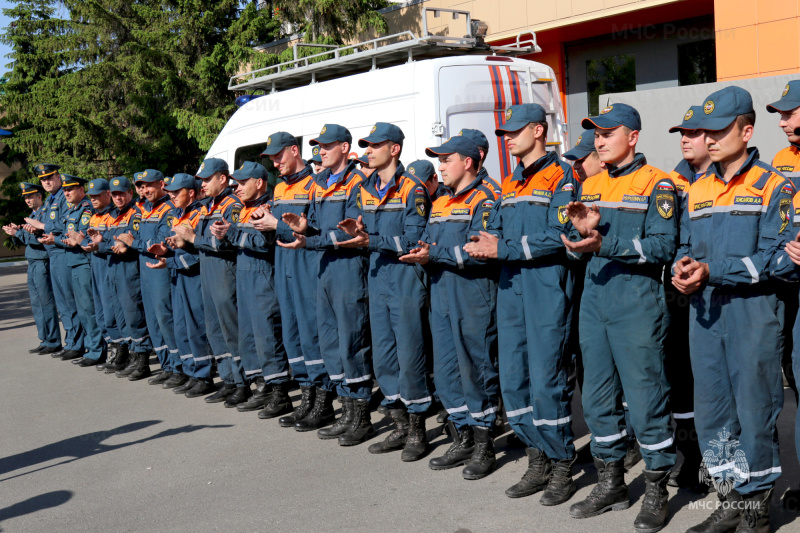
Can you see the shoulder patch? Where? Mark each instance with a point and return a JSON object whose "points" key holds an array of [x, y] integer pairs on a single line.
{"points": [[563, 218], [665, 204], [784, 208], [488, 203], [788, 189], [665, 186], [568, 187], [235, 211]]}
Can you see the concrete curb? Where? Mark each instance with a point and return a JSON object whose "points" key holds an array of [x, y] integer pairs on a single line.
{"points": [[14, 264]]}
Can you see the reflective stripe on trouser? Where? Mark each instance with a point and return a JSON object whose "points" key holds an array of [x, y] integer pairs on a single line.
{"points": [[218, 277], [61, 276], [398, 315], [157, 302], [189, 320], [533, 356], [126, 288], [736, 345], [343, 324], [84, 299], [296, 278], [622, 330], [43, 302], [260, 337], [464, 330]]}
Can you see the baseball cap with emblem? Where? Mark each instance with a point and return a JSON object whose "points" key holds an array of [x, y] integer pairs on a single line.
{"points": [[583, 147], [519, 116], [119, 184], [148, 176], [211, 166], [97, 186], [31, 188], [331, 133], [477, 137], [421, 169], [315, 157], [250, 170], [723, 106], [180, 181], [690, 120], [459, 144], [277, 142], [68, 180], [790, 99], [614, 116], [42, 170], [383, 131]]}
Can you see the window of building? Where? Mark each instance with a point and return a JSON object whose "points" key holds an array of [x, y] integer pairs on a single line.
{"points": [[614, 74], [697, 62]]}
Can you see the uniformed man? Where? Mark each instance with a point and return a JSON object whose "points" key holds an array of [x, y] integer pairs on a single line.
{"points": [[316, 160], [627, 226], [524, 232], [218, 278], [76, 223], [463, 314], [737, 219], [296, 278], [40, 287], [583, 156], [423, 170], [394, 209], [482, 143], [52, 228]]}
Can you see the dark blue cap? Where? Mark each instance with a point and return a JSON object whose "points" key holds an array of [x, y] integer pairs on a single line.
{"points": [[583, 147], [150, 175], [519, 116], [315, 157], [277, 142], [167, 179], [45, 169], [691, 120], [722, 107], [421, 169], [250, 170], [382, 131], [614, 116], [210, 166], [119, 184], [68, 180], [790, 99], [456, 145], [477, 137], [31, 188], [363, 159], [180, 181], [97, 186], [331, 133]]}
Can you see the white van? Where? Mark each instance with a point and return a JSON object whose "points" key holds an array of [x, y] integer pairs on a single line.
{"points": [[429, 99]]}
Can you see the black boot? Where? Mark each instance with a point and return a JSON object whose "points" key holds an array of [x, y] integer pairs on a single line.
{"points": [[111, 357], [38, 349], [633, 454], [342, 424], [240, 395], [725, 518], [755, 515], [361, 428], [142, 368], [175, 380], [220, 396], [535, 478], [69, 355], [397, 438], [652, 516], [561, 487], [483, 461], [417, 440], [133, 363], [186, 387], [611, 492], [160, 379], [688, 475], [321, 414], [306, 402], [201, 388], [257, 401], [278, 401], [85, 362], [458, 452]]}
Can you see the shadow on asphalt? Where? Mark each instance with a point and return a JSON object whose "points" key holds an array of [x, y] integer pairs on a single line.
{"points": [[37, 503], [87, 445]]}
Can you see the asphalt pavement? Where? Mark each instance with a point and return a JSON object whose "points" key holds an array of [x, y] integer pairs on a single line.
{"points": [[85, 451]]}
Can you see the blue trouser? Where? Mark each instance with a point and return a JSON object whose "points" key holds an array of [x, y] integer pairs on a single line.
{"points": [[112, 323], [296, 278], [260, 338], [218, 277], [190, 325], [125, 285], [464, 330], [157, 303], [736, 346], [534, 356], [623, 324], [343, 323], [65, 301], [398, 314], [84, 299], [43, 302], [796, 370]]}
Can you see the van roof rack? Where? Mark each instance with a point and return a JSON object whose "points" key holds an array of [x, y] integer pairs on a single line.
{"points": [[391, 50]]}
